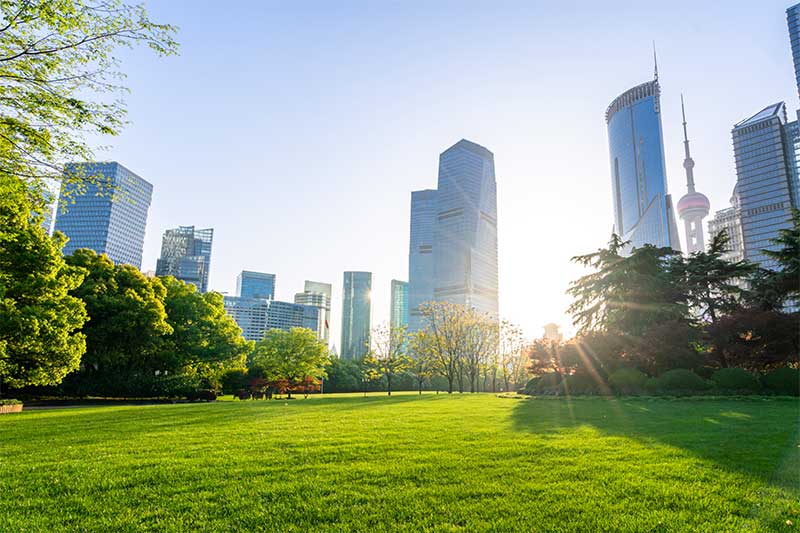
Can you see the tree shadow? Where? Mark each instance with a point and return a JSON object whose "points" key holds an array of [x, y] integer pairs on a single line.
{"points": [[753, 436]]}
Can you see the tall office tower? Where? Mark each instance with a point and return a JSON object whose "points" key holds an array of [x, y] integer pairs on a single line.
{"points": [[766, 179], [465, 235], [256, 316], [255, 285], [420, 254], [103, 207], [186, 255], [729, 219], [793, 20], [356, 314], [552, 333], [398, 316], [318, 295], [693, 207], [643, 212]]}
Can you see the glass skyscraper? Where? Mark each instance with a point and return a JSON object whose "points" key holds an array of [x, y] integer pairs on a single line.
{"points": [[793, 21], [186, 255], [318, 295], [255, 285], [766, 178], [398, 315], [420, 254], [256, 316], [356, 315], [103, 207], [643, 212], [465, 235]]}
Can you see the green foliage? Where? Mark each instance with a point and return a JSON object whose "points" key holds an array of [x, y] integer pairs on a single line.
{"points": [[40, 322], [233, 380], [678, 381], [344, 375], [755, 339], [736, 380], [9, 401], [583, 384], [545, 384], [387, 355], [290, 356], [627, 381], [56, 58], [773, 289], [782, 381]]}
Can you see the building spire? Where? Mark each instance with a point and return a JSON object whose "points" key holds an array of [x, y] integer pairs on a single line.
{"points": [[688, 162], [655, 61]]}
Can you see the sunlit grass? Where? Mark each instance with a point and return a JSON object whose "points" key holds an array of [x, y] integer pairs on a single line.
{"points": [[451, 463]]}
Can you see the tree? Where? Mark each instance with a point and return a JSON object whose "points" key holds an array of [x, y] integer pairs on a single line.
{"points": [[772, 289], [480, 342], [55, 55], [629, 294], [292, 356], [127, 321], [204, 337], [511, 360], [714, 285], [755, 339], [343, 375], [421, 365], [40, 322], [444, 324], [388, 353]]}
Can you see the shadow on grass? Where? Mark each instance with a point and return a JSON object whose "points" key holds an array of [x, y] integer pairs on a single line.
{"points": [[747, 436]]}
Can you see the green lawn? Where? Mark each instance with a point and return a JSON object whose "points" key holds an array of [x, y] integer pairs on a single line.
{"points": [[438, 463]]}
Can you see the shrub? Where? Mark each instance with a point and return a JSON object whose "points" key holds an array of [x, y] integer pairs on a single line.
{"points": [[544, 384], [736, 380], [234, 380], [206, 395], [9, 401], [627, 381], [783, 381], [580, 384], [678, 381]]}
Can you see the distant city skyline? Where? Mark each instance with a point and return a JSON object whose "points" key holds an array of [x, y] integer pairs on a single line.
{"points": [[186, 255], [524, 94]]}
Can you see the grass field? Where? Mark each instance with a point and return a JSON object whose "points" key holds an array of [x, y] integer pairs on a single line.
{"points": [[439, 463]]}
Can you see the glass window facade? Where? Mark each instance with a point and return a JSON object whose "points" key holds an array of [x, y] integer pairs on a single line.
{"points": [[793, 20], [318, 295], [255, 285], [256, 316], [420, 254], [643, 212], [186, 255], [103, 207], [356, 314], [398, 315]]}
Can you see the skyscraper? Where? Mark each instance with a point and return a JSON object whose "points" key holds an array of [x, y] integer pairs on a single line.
{"points": [[186, 255], [256, 316], [766, 178], [356, 314], [729, 220], [793, 21], [255, 285], [643, 212], [103, 207], [465, 235], [693, 207], [318, 295], [420, 253], [398, 316]]}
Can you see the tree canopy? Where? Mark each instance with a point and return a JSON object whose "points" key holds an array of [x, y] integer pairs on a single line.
{"points": [[291, 356]]}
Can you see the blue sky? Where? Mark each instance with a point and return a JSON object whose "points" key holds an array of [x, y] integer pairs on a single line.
{"points": [[298, 129]]}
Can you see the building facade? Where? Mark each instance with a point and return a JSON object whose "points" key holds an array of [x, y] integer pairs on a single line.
{"points": [[793, 21], [318, 295], [356, 315], [255, 285], [186, 255], [398, 315], [103, 207], [256, 316], [766, 179], [420, 254], [729, 220], [643, 212]]}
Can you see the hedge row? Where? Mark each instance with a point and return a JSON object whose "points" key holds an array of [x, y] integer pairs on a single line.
{"points": [[630, 381]]}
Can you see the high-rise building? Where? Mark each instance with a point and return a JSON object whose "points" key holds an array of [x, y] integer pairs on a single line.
{"points": [[256, 316], [186, 255], [103, 207], [793, 21], [643, 212], [420, 254], [465, 236], [398, 316], [356, 314], [693, 207], [766, 179], [729, 220], [552, 333], [255, 285], [318, 295]]}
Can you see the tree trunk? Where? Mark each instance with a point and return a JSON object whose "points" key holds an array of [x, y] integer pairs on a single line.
{"points": [[389, 383]]}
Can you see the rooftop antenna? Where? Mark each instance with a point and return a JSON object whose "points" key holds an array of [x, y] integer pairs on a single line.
{"points": [[655, 60]]}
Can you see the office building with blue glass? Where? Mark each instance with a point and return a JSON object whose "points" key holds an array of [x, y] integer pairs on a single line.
{"points": [[398, 314], [793, 21], [420, 254], [103, 207], [256, 316], [255, 285], [643, 211], [356, 315], [186, 255]]}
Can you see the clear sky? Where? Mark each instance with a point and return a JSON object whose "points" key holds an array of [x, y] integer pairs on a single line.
{"points": [[297, 130]]}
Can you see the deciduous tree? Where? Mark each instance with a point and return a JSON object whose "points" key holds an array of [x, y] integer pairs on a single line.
{"points": [[292, 355]]}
